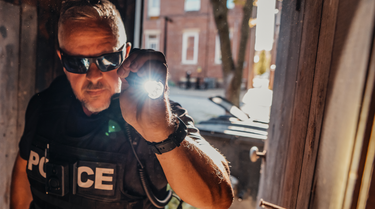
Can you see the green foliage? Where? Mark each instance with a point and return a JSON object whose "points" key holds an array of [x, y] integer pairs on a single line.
{"points": [[175, 202], [263, 64], [171, 83], [239, 2]]}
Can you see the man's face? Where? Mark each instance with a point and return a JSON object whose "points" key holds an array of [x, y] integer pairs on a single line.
{"points": [[90, 39]]}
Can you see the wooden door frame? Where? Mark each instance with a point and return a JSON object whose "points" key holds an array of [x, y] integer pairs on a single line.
{"points": [[295, 82], [347, 113], [364, 151], [307, 88]]}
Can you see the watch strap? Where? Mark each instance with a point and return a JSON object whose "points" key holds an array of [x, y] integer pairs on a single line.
{"points": [[174, 140]]}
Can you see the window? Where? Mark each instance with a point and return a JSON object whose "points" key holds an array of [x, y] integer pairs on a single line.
{"points": [[153, 8], [217, 47], [190, 47], [192, 5], [152, 40]]}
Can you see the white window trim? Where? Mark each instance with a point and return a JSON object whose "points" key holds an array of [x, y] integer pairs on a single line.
{"points": [[153, 11], [185, 36], [152, 32], [191, 10]]}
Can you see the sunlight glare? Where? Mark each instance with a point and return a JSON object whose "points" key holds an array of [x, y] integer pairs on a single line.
{"points": [[154, 89]]}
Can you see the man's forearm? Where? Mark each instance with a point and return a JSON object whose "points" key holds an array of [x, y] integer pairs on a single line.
{"points": [[20, 194], [198, 175]]}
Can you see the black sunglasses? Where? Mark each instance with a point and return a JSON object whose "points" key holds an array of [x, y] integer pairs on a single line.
{"points": [[80, 65]]}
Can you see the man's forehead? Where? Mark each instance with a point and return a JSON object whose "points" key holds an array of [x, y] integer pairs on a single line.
{"points": [[85, 32], [79, 27]]}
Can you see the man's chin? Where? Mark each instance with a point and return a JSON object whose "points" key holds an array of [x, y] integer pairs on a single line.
{"points": [[95, 108]]}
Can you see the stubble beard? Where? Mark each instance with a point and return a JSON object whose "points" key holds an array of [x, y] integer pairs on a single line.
{"points": [[92, 109], [88, 104]]}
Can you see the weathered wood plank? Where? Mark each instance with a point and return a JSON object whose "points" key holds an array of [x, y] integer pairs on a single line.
{"points": [[9, 59], [352, 42], [361, 149], [14, 2], [322, 66], [278, 143], [302, 101], [26, 85], [362, 196]]}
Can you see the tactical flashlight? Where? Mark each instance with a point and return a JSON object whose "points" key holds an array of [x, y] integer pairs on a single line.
{"points": [[150, 85]]}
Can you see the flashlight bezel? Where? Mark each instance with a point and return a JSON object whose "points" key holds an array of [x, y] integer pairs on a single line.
{"points": [[139, 82], [154, 89]]}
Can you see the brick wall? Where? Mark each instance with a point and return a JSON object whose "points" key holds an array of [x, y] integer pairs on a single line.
{"points": [[201, 21]]}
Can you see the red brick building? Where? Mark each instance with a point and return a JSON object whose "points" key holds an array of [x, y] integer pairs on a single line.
{"points": [[192, 42]]}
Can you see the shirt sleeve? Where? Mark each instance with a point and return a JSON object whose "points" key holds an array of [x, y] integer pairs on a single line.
{"points": [[31, 119], [182, 113]]}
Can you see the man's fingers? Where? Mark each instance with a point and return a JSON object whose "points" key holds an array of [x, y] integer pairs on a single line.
{"points": [[143, 58], [137, 58], [123, 72], [132, 55], [124, 69]]}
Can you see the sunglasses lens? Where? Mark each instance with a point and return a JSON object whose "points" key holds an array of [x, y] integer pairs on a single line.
{"points": [[76, 64], [109, 62], [81, 65]]}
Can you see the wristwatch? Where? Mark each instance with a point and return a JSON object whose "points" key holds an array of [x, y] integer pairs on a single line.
{"points": [[174, 140]]}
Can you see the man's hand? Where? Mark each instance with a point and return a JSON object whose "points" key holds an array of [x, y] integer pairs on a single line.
{"points": [[150, 117], [196, 172]]}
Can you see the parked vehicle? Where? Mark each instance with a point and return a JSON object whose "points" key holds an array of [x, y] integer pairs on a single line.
{"points": [[234, 135]]}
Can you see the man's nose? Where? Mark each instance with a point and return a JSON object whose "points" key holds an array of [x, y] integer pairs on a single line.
{"points": [[94, 74]]}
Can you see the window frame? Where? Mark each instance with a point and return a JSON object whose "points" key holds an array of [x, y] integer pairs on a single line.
{"points": [[186, 34], [153, 11], [147, 40], [194, 9]]}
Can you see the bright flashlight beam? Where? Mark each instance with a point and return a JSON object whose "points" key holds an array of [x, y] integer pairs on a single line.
{"points": [[154, 89]]}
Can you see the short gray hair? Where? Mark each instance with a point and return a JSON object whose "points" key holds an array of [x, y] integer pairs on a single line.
{"points": [[81, 10]]}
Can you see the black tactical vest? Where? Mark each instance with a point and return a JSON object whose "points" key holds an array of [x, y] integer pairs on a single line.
{"points": [[94, 170]]}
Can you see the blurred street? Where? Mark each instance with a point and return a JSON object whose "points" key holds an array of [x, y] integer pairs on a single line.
{"points": [[196, 102], [256, 103]]}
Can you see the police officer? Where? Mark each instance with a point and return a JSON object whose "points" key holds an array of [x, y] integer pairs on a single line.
{"points": [[93, 139]]}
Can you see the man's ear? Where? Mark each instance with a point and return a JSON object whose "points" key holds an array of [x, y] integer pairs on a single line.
{"points": [[128, 48], [58, 53]]}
